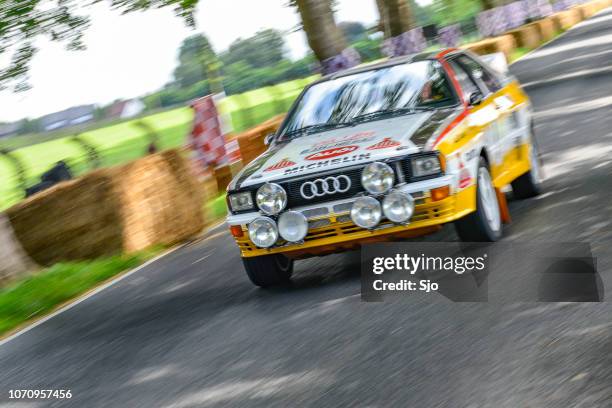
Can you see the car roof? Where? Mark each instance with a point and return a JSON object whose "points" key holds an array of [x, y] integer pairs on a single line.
{"points": [[390, 62]]}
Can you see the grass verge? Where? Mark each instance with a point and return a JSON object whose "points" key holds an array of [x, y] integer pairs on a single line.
{"points": [[215, 210], [39, 294], [518, 53]]}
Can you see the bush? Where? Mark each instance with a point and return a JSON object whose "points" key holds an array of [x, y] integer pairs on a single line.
{"points": [[369, 49]]}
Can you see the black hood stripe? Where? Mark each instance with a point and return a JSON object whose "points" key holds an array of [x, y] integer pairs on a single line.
{"points": [[254, 166]]}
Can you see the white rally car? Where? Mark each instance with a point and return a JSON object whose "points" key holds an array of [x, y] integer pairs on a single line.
{"points": [[384, 152]]}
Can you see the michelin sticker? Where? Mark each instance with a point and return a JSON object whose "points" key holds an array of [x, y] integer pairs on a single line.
{"points": [[325, 163]]}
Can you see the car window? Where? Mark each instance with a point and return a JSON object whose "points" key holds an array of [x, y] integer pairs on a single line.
{"points": [[468, 86], [480, 74], [393, 88]]}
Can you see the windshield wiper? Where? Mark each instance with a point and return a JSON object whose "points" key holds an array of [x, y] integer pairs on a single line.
{"points": [[391, 112], [383, 113], [316, 128]]}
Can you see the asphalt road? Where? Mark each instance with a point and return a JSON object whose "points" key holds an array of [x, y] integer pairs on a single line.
{"points": [[191, 331]]}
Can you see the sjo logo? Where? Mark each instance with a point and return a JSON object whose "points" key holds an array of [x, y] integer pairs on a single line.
{"points": [[336, 151]]}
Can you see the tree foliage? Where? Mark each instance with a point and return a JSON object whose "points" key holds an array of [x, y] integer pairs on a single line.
{"points": [[443, 12], [195, 57], [353, 30], [23, 21], [266, 48]]}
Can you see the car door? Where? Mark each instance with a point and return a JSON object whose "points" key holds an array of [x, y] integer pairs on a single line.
{"points": [[496, 110]]}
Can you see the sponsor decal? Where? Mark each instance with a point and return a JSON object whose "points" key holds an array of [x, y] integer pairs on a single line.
{"points": [[470, 155], [325, 163], [281, 165], [333, 152], [357, 138], [386, 143], [465, 178], [504, 102]]}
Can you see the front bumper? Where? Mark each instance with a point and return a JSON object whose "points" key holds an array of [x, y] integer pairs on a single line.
{"points": [[332, 230]]}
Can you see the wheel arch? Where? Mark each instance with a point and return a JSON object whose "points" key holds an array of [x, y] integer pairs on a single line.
{"points": [[485, 155]]}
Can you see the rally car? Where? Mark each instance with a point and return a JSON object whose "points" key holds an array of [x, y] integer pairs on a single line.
{"points": [[383, 152]]}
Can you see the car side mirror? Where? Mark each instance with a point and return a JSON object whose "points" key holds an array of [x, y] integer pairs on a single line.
{"points": [[268, 139], [475, 98]]}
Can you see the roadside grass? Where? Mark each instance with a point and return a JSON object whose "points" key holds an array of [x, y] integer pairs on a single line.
{"points": [[215, 209], [518, 53], [45, 290]]}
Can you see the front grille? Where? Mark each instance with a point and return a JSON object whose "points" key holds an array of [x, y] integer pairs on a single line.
{"points": [[401, 167], [406, 168], [295, 199]]}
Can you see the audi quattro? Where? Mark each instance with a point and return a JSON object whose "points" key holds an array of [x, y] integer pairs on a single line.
{"points": [[382, 152]]}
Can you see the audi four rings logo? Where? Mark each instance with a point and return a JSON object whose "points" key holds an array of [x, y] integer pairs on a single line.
{"points": [[324, 186]]}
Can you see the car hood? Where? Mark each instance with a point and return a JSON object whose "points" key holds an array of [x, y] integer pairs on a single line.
{"points": [[342, 147]]}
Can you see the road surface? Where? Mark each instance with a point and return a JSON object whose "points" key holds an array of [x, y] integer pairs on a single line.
{"points": [[191, 331]]}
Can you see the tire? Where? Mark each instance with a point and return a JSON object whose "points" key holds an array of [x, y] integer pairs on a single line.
{"points": [[483, 225], [268, 270], [529, 184]]}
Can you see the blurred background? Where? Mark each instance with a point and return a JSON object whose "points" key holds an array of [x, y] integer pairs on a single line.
{"points": [[125, 85]]}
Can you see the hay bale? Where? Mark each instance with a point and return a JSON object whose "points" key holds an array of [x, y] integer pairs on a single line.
{"points": [[77, 219], [503, 43], [15, 263], [545, 27], [154, 200], [587, 10], [223, 176], [604, 4], [251, 142], [565, 20], [527, 36], [160, 201]]}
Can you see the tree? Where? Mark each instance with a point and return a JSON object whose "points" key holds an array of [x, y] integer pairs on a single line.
{"points": [[266, 48], [324, 37], [196, 56], [445, 12], [487, 4], [21, 22], [353, 31], [395, 16]]}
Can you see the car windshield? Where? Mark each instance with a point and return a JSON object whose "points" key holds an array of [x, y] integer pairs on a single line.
{"points": [[369, 95]]}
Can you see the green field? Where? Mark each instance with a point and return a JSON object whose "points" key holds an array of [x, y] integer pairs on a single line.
{"points": [[126, 141]]}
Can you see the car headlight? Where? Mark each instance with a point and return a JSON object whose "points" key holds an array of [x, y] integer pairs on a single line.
{"points": [[241, 201], [425, 165], [263, 232], [398, 206], [271, 198], [366, 212], [292, 226], [377, 178]]}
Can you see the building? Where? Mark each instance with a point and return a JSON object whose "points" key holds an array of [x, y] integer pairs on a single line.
{"points": [[70, 117], [9, 129], [125, 109]]}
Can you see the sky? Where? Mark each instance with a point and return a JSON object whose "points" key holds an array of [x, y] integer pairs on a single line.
{"points": [[132, 55]]}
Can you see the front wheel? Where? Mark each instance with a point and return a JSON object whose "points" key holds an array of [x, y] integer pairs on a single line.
{"points": [[483, 225], [268, 270]]}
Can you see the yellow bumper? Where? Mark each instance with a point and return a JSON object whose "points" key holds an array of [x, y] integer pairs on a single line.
{"points": [[337, 232]]}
